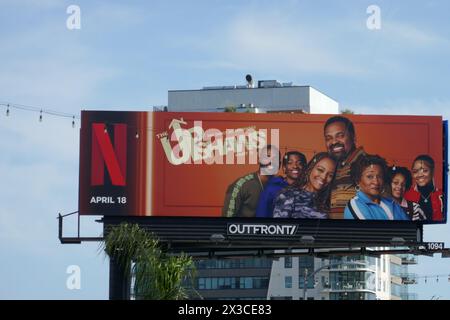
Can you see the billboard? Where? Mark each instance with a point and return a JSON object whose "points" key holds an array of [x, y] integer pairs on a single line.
{"points": [[298, 166]]}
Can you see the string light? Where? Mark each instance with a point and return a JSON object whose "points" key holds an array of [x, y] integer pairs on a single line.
{"points": [[39, 110], [432, 276]]}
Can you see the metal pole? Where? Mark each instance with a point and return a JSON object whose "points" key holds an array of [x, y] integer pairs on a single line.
{"points": [[305, 284], [60, 226], [119, 282]]}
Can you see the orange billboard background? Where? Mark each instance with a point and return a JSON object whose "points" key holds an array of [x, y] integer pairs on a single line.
{"points": [[199, 189]]}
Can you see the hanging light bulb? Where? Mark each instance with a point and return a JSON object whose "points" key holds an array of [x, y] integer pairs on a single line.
{"points": [[137, 135], [7, 110], [73, 122], [106, 128], [40, 116]]}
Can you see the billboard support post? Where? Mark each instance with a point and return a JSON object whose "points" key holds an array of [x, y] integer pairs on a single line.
{"points": [[119, 281], [73, 240]]}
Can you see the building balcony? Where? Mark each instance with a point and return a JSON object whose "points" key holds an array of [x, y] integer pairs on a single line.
{"points": [[367, 267], [408, 259], [409, 278], [356, 286]]}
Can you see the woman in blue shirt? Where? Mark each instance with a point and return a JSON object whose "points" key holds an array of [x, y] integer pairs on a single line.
{"points": [[369, 174]]}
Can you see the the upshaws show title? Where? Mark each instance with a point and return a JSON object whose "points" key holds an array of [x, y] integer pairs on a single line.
{"points": [[212, 146]]}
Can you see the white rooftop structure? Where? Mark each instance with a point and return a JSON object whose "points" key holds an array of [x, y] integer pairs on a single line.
{"points": [[268, 96]]}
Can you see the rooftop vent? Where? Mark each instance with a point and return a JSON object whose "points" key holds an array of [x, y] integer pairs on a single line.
{"points": [[268, 84]]}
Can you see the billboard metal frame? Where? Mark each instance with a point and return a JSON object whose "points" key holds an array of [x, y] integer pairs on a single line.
{"points": [[205, 234], [310, 238]]}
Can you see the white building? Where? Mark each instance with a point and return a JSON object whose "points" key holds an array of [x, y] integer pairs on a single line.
{"points": [[342, 278]]}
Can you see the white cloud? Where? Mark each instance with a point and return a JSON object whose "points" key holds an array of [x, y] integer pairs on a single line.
{"points": [[407, 107], [51, 71], [281, 42], [33, 3], [39, 180], [269, 42], [413, 37], [115, 16]]}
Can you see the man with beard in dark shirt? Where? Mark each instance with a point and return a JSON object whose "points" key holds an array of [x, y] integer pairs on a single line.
{"points": [[340, 141]]}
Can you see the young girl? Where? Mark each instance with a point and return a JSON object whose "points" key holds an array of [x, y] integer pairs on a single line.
{"points": [[308, 199], [424, 191], [400, 181]]}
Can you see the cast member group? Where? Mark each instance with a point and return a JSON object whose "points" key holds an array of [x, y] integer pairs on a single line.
{"points": [[343, 183]]}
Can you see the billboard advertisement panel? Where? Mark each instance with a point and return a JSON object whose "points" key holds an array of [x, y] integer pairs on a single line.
{"points": [[299, 166]]}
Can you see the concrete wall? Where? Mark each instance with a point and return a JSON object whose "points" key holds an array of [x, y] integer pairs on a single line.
{"points": [[280, 98], [321, 103]]}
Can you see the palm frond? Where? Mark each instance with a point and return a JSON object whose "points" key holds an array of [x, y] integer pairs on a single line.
{"points": [[157, 274]]}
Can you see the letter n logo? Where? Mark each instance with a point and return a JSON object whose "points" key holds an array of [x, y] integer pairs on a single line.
{"points": [[103, 154]]}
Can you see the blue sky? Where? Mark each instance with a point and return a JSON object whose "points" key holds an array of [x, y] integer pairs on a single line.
{"points": [[126, 56]]}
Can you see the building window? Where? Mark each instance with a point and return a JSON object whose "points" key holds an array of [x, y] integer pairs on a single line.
{"points": [[352, 296], [288, 282], [396, 290], [301, 282], [343, 280], [306, 267], [201, 283], [214, 283], [281, 298], [306, 262], [397, 270], [245, 283], [234, 263], [324, 282], [223, 283], [288, 262]]}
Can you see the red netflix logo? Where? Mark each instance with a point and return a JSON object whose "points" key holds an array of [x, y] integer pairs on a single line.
{"points": [[104, 154]]}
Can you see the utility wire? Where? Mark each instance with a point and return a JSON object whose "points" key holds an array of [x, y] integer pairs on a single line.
{"points": [[10, 105]]}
